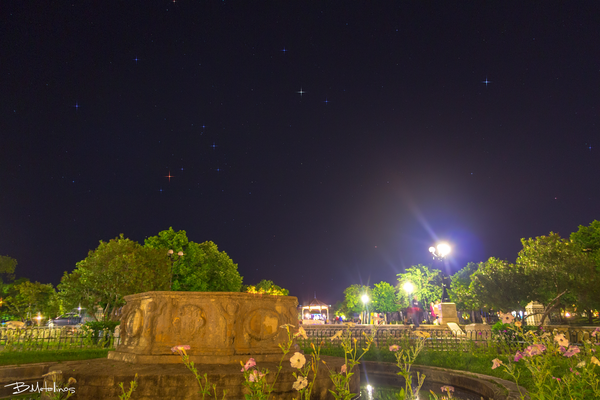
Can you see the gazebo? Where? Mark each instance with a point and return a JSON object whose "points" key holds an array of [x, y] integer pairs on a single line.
{"points": [[316, 309]]}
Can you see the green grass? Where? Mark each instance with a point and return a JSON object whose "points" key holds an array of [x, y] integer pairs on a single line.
{"points": [[28, 357]]}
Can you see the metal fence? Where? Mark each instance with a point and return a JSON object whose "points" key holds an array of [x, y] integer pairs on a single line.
{"points": [[441, 339], [44, 338]]}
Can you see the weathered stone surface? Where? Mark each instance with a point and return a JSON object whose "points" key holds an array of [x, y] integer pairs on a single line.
{"points": [[219, 327], [448, 313], [99, 379]]}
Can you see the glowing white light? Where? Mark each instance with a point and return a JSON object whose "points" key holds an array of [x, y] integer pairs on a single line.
{"points": [[432, 250], [443, 249], [408, 287], [365, 298]]}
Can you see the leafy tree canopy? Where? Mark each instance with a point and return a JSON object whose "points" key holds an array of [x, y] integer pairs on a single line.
{"points": [[202, 268], [267, 287], [115, 269], [427, 285], [384, 298], [353, 297], [460, 289], [557, 269], [7, 269], [26, 299], [497, 284]]}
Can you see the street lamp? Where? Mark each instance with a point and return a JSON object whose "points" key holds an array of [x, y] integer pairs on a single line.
{"points": [[365, 300], [172, 257], [439, 253]]}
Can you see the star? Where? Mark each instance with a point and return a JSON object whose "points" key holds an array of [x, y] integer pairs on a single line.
{"points": [[326, 101], [136, 59], [160, 190], [214, 146], [284, 50], [169, 176], [301, 91], [486, 81], [76, 106]]}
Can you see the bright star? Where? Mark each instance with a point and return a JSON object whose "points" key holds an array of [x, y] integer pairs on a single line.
{"points": [[214, 146], [76, 106], [169, 176], [301, 92], [284, 50], [136, 59], [486, 81], [326, 101]]}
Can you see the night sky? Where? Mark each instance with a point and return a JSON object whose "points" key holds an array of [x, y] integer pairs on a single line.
{"points": [[318, 143]]}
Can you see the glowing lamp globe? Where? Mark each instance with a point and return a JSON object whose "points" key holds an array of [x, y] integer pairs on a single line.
{"points": [[443, 249], [408, 287]]}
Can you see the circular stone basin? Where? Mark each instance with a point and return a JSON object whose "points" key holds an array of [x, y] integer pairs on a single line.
{"points": [[385, 387], [219, 327]]}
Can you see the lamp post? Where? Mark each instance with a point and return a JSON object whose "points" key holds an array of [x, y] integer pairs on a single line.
{"points": [[440, 252], [408, 288], [172, 257], [365, 300]]}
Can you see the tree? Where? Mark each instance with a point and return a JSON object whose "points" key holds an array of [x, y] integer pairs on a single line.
{"points": [[557, 269], [587, 239], [267, 287], [353, 297], [384, 298], [427, 285], [498, 284], [115, 269], [460, 292], [340, 309], [202, 268], [7, 269], [27, 299]]}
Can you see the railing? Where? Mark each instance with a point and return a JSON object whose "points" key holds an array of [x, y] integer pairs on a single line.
{"points": [[439, 339], [44, 338]]}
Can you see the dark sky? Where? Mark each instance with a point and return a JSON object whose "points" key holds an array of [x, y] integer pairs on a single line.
{"points": [[318, 143]]}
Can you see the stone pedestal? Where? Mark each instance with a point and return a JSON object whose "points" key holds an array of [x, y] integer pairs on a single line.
{"points": [[219, 327], [448, 313]]}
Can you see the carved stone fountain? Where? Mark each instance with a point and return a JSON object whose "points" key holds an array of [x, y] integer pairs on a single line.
{"points": [[222, 330]]}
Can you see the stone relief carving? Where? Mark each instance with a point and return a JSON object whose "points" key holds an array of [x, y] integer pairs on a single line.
{"points": [[189, 321], [262, 324], [228, 313]]}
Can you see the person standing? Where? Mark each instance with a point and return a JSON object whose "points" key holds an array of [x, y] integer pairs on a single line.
{"points": [[433, 313], [416, 308]]}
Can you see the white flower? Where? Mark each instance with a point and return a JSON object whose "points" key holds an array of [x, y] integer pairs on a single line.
{"points": [[301, 383], [297, 360]]}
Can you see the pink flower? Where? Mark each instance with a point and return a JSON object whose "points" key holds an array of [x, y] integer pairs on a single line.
{"points": [[255, 376], [343, 371], [571, 351], [557, 379], [180, 348], [496, 363], [447, 389], [249, 364], [534, 350], [596, 332], [518, 356], [394, 347]]}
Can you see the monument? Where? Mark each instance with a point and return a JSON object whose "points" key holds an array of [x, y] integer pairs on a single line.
{"points": [[222, 329]]}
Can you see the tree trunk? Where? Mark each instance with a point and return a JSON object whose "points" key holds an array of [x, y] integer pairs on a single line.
{"points": [[590, 317], [550, 306]]}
